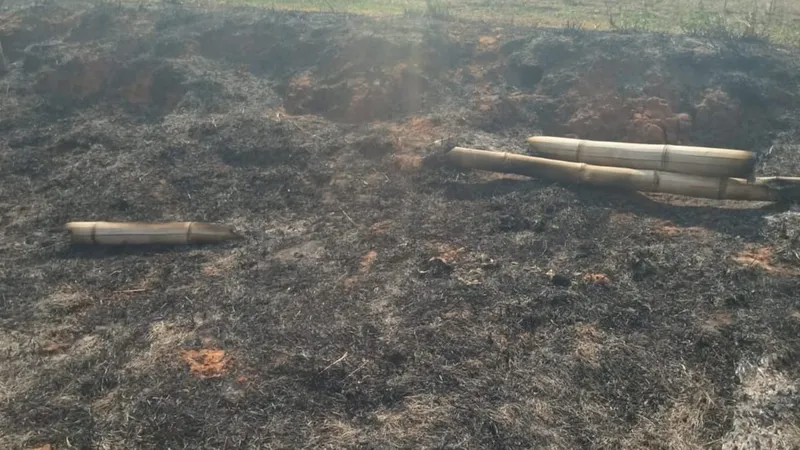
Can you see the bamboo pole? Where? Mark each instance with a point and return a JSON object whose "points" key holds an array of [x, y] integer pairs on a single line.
{"points": [[139, 233], [689, 160], [783, 189]]}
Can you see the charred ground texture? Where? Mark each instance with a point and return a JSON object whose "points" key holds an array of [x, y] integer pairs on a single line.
{"points": [[381, 300]]}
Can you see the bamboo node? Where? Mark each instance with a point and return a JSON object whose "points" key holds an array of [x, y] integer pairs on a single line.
{"points": [[579, 150], [723, 188], [665, 157]]}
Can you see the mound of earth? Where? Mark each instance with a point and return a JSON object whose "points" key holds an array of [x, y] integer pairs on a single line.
{"points": [[380, 299]]}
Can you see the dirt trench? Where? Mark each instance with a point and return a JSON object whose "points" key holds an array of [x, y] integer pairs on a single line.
{"points": [[584, 84]]}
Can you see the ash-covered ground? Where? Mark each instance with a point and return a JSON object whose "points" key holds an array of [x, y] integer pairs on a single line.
{"points": [[379, 301]]}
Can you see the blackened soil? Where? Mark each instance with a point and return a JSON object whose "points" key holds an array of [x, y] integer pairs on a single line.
{"points": [[380, 301]]}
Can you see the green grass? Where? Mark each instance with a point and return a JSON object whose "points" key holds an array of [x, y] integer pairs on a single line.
{"points": [[774, 20]]}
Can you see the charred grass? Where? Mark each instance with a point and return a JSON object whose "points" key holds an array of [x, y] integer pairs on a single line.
{"points": [[380, 299]]}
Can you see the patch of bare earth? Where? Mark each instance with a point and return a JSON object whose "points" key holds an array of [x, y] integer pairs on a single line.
{"points": [[207, 362], [762, 257]]}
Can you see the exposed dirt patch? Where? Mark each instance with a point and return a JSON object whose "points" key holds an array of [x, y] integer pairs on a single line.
{"points": [[597, 279], [206, 363], [142, 84], [380, 299], [487, 44], [415, 134], [763, 257], [365, 79], [668, 229], [367, 261], [77, 78], [646, 120], [394, 92]]}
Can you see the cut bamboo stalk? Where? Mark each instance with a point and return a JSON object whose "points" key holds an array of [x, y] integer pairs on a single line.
{"points": [[689, 160], [140, 233], [783, 189]]}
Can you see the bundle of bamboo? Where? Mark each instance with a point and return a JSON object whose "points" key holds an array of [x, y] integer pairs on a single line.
{"points": [[139, 233], [691, 171], [704, 161]]}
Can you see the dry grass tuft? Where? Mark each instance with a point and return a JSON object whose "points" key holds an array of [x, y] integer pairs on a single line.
{"points": [[765, 414], [163, 338], [220, 266], [407, 162], [419, 415], [589, 343], [364, 267], [449, 253], [718, 321]]}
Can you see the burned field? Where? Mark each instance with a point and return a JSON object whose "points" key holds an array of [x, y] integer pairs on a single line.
{"points": [[382, 299]]}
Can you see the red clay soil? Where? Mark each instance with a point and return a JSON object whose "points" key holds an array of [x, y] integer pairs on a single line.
{"points": [[382, 299]]}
